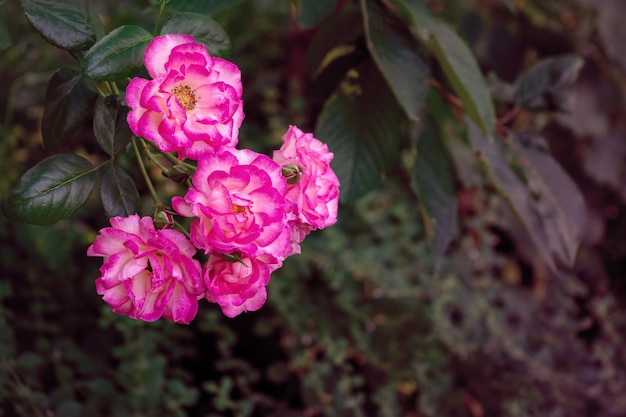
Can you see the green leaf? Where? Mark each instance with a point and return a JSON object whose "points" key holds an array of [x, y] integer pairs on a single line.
{"points": [[5, 36], [95, 22], [63, 23], [51, 191], [119, 193], [396, 55], [433, 182], [209, 7], [555, 194], [540, 193], [313, 12], [110, 125], [457, 62], [117, 55], [69, 100], [363, 126], [204, 30], [548, 85], [326, 46]]}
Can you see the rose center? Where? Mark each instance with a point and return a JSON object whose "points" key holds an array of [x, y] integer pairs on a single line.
{"points": [[186, 96], [239, 209]]}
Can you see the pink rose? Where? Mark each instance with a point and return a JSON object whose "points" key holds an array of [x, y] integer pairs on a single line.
{"points": [[193, 103], [312, 185], [238, 286], [147, 273], [238, 197]]}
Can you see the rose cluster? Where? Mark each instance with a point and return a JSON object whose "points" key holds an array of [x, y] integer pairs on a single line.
{"points": [[249, 211]]}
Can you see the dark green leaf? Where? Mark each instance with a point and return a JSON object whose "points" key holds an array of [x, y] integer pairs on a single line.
{"points": [[119, 193], [118, 55], [457, 62], [69, 100], [327, 46], [5, 37], [110, 125], [204, 30], [63, 23], [548, 85], [51, 191], [29, 361], [201, 6], [432, 180], [541, 195], [363, 125], [313, 12], [70, 408], [555, 194], [95, 22], [395, 53], [610, 27]]}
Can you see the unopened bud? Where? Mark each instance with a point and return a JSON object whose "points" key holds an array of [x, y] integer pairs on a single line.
{"points": [[292, 173], [163, 220]]}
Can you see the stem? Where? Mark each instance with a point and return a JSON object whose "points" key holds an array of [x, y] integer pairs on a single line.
{"points": [[172, 158], [144, 172], [158, 19], [182, 229], [151, 156], [116, 90]]}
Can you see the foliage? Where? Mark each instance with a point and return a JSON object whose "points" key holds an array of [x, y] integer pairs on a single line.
{"points": [[476, 268]]}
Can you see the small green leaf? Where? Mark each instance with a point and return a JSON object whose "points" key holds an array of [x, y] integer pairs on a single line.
{"points": [[63, 23], [457, 62], [433, 181], [544, 198], [110, 125], [209, 7], [548, 85], [51, 191], [69, 100], [204, 30], [5, 36], [313, 12], [396, 55], [117, 55], [119, 193], [363, 126]]}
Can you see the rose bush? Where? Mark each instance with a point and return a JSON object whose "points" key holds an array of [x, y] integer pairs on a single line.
{"points": [[193, 103], [238, 198], [147, 273]]}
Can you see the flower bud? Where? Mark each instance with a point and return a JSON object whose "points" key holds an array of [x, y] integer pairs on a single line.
{"points": [[292, 173], [163, 220]]}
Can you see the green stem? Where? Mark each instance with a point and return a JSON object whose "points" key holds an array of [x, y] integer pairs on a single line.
{"points": [[116, 90], [152, 156], [172, 158], [102, 93], [144, 172], [182, 229], [158, 20]]}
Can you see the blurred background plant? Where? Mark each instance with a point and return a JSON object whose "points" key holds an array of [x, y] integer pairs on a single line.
{"points": [[470, 274]]}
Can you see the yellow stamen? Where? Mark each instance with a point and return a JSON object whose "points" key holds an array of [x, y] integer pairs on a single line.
{"points": [[239, 209], [186, 96]]}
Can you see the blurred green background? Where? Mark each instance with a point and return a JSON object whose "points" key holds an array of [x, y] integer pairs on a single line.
{"points": [[362, 323]]}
